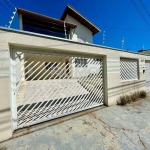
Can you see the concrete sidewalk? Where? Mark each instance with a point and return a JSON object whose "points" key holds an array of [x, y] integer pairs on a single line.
{"points": [[108, 128]]}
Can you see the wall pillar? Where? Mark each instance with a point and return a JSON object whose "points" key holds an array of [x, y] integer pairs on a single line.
{"points": [[5, 111]]}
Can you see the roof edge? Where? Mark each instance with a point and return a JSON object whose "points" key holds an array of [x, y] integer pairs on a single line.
{"points": [[23, 11], [67, 40], [70, 7]]}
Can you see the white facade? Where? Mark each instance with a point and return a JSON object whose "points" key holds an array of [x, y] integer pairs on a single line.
{"points": [[81, 33]]}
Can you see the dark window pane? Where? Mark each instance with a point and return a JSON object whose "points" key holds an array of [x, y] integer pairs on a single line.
{"points": [[51, 66], [44, 31], [80, 62]]}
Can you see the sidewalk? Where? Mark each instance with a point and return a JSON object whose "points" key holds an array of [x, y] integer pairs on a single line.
{"points": [[109, 128]]}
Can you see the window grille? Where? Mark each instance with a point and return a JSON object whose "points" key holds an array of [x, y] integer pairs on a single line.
{"points": [[128, 69]]}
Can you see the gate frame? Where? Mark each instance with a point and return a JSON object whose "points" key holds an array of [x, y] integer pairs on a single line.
{"points": [[59, 53], [13, 90]]}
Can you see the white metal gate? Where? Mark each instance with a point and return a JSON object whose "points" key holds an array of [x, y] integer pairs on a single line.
{"points": [[47, 85], [147, 70]]}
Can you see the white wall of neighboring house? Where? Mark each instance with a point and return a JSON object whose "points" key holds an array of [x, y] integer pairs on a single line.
{"points": [[81, 34], [91, 67]]}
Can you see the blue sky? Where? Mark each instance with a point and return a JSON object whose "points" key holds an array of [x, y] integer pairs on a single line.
{"points": [[118, 18]]}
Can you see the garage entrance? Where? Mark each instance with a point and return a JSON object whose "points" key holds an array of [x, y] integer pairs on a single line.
{"points": [[50, 85]]}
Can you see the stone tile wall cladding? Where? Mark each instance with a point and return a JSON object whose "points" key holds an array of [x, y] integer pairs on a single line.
{"points": [[5, 113], [4, 62]]}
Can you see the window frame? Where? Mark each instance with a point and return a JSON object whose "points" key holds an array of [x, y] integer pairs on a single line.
{"points": [[130, 79]]}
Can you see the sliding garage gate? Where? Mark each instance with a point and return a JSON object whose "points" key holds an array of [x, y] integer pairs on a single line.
{"points": [[47, 85]]}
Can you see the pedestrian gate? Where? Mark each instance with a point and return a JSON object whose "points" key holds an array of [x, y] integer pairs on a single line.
{"points": [[48, 85], [147, 70]]}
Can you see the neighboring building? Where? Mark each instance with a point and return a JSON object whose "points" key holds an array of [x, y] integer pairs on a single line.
{"points": [[144, 51], [72, 25]]}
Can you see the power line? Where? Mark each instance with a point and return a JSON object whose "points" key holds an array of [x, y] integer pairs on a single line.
{"points": [[144, 7], [119, 28], [6, 5], [4, 10], [144, 19], [3, 17], [11, 4], [12, 17]]}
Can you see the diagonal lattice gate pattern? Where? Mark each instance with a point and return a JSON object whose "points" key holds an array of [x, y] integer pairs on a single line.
{"points": [[53, 85], [128, 69]]}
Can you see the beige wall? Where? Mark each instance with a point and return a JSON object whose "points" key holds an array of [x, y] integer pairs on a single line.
{"points": [[5, 113], [114, 87], [4, 61]]}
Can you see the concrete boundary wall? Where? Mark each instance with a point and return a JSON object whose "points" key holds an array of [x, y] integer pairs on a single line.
{"points": [[114, 87], [5, 112]]}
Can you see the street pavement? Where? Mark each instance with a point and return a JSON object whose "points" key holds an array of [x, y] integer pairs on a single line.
{"points": [[101, 128]]}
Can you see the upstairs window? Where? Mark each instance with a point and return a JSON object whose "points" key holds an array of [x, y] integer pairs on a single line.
{"points": [[45, 27]]}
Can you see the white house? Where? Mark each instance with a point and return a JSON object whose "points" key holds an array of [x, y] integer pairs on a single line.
{"points": [[72, 25]]}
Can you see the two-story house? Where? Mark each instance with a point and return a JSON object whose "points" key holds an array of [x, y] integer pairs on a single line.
{"points": [[72, 25]]}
